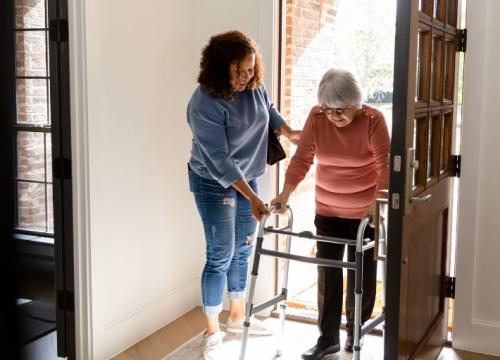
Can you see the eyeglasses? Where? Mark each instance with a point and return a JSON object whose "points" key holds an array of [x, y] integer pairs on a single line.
{"points": [[338, 111]]}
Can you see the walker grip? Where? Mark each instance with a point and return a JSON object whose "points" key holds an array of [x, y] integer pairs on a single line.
{"points": [[306, 234]]}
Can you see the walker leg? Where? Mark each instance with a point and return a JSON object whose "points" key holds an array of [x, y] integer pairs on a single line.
{"points": [[284, 291], [249, 305], [383, 251], [358, 295], [358, 289], [246, 323], [383, 245]]}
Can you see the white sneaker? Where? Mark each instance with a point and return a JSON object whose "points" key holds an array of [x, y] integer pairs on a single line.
{"points": [[256, 327], [212, 346]]}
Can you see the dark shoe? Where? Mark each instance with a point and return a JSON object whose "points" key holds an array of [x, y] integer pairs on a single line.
{"points": [[318, 352], [349, 343]]}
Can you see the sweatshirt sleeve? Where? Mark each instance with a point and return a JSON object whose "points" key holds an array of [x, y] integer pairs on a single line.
{"points": [[275, 118], [209, 133], [304, 155], [380, 144]]}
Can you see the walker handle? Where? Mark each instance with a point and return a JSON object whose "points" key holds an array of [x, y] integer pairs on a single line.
{"points": [[275, 207]]}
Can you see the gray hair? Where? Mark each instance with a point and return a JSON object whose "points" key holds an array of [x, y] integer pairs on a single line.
{"points": [[340, 88]]}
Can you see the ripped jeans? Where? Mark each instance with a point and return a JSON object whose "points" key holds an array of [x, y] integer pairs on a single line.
{"points": [[229, 234]]}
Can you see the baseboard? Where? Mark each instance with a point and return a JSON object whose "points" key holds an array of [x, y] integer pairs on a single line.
{"points": [[493, 325], [118, 335], [480, 336]]}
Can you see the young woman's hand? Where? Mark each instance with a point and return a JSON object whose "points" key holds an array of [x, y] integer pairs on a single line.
{"points": [[258, 208], [292, 135]]}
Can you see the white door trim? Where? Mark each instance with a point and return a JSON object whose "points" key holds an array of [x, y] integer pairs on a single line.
{"points": [[470, 332], [80, 172]]}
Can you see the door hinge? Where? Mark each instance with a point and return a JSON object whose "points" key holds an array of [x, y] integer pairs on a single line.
{"points": [[61, 168], [65, 300], [58, 30], [449, 291], [455, 165], [461, 39]]}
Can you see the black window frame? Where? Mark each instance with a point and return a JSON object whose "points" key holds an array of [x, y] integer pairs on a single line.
{"points": [[46, 129]]}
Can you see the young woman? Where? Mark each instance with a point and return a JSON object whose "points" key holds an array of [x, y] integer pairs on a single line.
{"points": [[229, 115]]}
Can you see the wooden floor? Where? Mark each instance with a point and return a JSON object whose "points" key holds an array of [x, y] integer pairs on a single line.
{"points": [[167, 339]]}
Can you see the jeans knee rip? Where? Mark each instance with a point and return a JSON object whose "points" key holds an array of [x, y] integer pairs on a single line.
{"points": [[250, 239], [228, 201]]}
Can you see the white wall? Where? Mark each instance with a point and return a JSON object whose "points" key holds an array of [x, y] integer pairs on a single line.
{"points": [[477, 310], [139, 241]]}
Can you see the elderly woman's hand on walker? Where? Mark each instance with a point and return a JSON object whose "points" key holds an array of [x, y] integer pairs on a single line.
{"points": [[281, 201]]}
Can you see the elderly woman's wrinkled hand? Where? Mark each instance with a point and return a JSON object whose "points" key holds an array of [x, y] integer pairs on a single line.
{"points": [[370, 211], [280, 202]]}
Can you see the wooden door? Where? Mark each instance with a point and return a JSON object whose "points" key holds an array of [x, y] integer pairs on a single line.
{"points": [[421, 178]]}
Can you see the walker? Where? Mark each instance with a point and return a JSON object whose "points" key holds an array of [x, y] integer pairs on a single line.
{"points": [[362, 245]]}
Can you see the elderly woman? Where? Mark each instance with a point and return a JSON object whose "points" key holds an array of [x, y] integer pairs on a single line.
{"points": [[351, 144], [229, 114]]}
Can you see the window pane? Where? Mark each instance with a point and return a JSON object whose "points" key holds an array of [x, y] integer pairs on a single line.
{"points": [[430, 163], [423, 65], [420, 138], [48, 156], [32, 101], [50, 209], [30, 14], [425, 6], [31, 53], [415, 145], [437, 67], [31, 206], [30, 156]]}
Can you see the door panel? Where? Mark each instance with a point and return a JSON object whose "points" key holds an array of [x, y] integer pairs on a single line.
{"points": [[420, 198], [426, 261], [62, 189]]}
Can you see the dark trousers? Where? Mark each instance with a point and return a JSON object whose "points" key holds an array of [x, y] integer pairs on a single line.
{"points": [[330, 280]]}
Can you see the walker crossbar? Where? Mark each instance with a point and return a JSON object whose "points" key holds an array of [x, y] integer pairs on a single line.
{"points": [[310, 260], [361, 246], [266, 304], [372, 324], [310, 235]]}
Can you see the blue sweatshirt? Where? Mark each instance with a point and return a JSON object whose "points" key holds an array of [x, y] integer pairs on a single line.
{"points": [[230, 136]]}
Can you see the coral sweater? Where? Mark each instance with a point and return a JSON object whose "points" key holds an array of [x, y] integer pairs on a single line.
{"points": [[352, 162]]}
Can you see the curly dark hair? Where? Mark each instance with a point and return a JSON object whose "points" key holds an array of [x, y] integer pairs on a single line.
{"points": [[221, 51]]}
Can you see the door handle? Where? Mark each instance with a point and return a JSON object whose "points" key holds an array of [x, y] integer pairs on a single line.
{"points": [[412, 165], [425, 198]]}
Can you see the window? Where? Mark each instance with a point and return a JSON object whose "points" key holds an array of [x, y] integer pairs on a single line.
{"points": [[32, 127]]}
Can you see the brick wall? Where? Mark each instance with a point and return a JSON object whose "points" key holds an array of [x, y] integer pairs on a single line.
{"points": [[309, 34]]}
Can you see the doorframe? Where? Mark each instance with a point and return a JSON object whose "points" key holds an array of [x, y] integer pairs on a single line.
{"points": [[397, 178], [80, 171], [470, 332]]}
